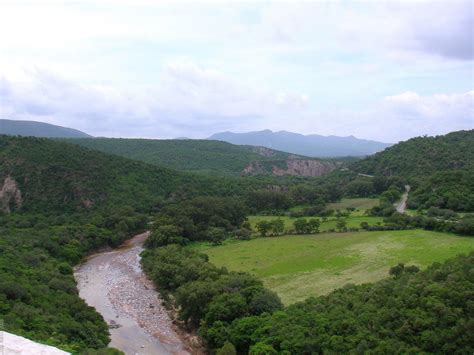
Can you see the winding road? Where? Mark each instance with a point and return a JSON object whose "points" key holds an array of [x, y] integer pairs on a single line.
{"points": [[402, 204], [114, 284]]}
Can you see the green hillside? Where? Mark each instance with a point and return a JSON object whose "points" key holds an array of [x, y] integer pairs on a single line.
{"points": [[422, 156], [201, 156], [440, 169], [54, 175]]}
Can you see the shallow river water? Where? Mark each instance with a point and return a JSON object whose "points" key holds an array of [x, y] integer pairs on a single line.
{"points": [[114, 284]]}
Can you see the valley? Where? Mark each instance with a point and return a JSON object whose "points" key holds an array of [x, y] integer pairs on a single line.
{"points": [[228, 254], [236, 177]]}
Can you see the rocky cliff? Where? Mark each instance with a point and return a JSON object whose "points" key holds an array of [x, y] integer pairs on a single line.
{"points": [[10, 195], [293, 167]]}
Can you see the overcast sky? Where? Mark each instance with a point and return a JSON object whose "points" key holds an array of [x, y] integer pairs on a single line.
{"points": [[135, 68]]}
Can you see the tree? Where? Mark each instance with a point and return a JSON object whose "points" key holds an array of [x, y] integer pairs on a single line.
{"points": [[264, 227], [397, 270], [164, 235], [262, 349], [278, 226], [314, 225], [341, 225], [227, 349], [300, 225], [216, 235]]}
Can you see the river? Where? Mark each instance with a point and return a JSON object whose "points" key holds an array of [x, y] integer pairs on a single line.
{"points": [[114, 284]]}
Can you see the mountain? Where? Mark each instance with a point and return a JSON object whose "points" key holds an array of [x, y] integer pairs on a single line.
{"points": [[440, 169], [38, 129], [211, 157], [312, 145], [39, 174]]}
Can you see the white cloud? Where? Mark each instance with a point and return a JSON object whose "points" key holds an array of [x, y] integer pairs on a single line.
{"points": [[197, 102], [189, 101]]}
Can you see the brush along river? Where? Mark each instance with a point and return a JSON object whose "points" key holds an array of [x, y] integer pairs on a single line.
{"points": [[114, 284]]}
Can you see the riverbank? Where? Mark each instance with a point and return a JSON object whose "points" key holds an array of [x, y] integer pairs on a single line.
{"points": [[114, 284]]}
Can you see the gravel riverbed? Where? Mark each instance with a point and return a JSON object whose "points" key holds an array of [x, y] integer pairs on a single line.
{"points": [[114, 284]]}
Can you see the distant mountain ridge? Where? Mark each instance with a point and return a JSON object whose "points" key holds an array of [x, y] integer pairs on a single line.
{"points": [[312, 145], [38, 129]]}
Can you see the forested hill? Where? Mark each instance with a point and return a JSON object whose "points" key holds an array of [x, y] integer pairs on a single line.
{"points": [[208, 157], [47, 175], [440, 169], [422, 156], [38, 129]]}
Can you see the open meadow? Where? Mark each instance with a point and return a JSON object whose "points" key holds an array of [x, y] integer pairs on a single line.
{"points": [[297, 267], [326, 225], [359, 204]]}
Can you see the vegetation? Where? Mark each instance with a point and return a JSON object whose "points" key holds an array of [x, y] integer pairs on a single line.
{"points": [[326, 223], [75, 200], [38, 295], [422, 156], [412, 312], [208, 297], [360, 204], [440, 169], [297, 267], [202, 156], [56, 176]]}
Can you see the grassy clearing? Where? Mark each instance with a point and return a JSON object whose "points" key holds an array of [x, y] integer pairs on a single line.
{"points": [[330, 223], [360, 204], [300, 266]]}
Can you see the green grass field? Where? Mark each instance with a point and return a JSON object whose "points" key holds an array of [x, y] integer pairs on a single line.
{"points": [[360, 204], [352, 221], [297, 267]]}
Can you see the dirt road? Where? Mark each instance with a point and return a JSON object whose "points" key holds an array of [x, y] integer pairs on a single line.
{"points": [[402, 204]]}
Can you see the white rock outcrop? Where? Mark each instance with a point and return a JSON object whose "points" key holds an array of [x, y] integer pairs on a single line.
{"points": [[11, 344]]}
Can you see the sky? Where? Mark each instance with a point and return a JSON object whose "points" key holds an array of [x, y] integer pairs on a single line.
{"points": [[385, 71]]}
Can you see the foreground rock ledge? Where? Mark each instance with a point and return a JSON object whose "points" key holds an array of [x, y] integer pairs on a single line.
{"points": [[11, 344]]}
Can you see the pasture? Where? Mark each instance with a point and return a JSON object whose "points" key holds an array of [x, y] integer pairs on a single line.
{"points": [[297, 267], [326, 225], [359, 204]]}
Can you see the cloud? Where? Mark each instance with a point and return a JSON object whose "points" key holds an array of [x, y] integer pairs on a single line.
{"points": [[196, 102], [189, 101]]}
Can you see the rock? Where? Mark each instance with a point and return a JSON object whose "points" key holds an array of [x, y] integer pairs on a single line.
{"points": [[293, 166], [10, 195], [14, 344]]}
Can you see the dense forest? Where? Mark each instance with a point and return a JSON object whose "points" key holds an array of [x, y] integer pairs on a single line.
{"points": [[422, 156], [202, 156], [54, 175], [206, 156]]}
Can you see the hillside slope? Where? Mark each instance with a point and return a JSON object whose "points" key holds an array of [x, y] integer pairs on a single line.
{"points": [[43, 175], [422, 156], [210, 157], [38, 129], [312, 145], [440, 169]]}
